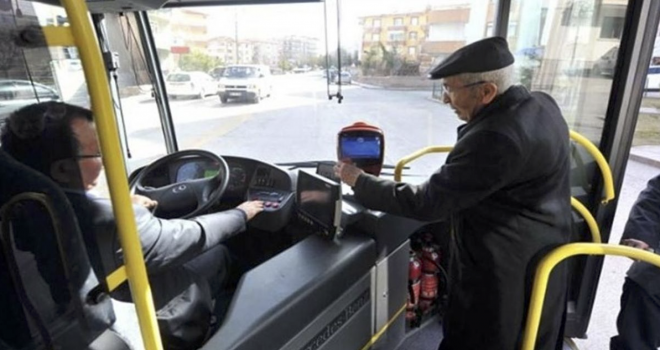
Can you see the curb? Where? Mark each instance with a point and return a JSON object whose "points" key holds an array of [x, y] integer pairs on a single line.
{"points": [[376, 87], [644, 160]]}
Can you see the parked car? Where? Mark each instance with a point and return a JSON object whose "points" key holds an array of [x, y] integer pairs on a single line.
{"points": [[196, 84], [15, 94], [245, 82], [345, 78], [605, 64]]}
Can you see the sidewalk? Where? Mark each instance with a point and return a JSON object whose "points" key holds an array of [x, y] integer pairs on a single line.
{"points": [[396, 83], [649, 155]]}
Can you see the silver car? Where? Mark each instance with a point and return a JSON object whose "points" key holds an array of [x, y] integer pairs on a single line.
{"points": [[345, 78], [15, 94]]}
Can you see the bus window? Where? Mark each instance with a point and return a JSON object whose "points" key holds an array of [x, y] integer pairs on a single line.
{"points": [[566, 55], [387, 47]]}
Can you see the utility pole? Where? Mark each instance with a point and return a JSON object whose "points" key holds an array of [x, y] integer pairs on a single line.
{"points": [[236, 37]]}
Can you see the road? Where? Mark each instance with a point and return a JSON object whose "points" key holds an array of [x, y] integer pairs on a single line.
{"points": [[297, 123]]}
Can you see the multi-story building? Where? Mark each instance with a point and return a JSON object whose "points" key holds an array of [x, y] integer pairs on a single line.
{"points": [[403, 33], [429, 35], [177, 32], [299, 50], [247, 51], [222, 47]]}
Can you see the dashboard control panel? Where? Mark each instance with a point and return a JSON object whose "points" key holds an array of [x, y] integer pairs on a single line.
{"points": [[273, 199]]}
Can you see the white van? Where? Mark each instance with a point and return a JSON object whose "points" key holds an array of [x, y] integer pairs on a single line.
{"points": [[250, 82]]}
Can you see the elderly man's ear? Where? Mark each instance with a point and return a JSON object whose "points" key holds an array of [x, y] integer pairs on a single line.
{"points": [[66, 173], [488, 93]]}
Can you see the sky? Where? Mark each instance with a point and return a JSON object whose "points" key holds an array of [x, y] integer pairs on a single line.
{"points": [[267, 21]]}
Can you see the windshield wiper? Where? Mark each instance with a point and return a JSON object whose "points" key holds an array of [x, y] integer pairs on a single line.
{"points": [[316, 163]]}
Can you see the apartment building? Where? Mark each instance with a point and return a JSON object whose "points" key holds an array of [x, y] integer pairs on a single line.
{"points": [[400, 32]]}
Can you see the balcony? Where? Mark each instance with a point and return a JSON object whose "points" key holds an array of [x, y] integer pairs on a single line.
{"points": [[397, 27]]}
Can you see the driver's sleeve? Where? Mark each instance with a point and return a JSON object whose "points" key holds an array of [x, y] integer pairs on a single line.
{"points": [[174, 242]]}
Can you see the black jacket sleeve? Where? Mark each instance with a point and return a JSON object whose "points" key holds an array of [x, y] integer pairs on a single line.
{"points": [[476, 167], [644, 220]]}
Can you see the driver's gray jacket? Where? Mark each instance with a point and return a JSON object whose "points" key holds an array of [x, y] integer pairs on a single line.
{"points": [[166, 244]]}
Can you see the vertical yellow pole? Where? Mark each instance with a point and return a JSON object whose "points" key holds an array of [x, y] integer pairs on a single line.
{"points": [[113, 160]]}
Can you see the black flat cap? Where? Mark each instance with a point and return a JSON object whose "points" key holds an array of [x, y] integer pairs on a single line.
{"points": [[481, 56]]}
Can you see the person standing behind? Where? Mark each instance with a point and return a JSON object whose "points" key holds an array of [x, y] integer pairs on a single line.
{"points": [[505, 190], [638, 323]]}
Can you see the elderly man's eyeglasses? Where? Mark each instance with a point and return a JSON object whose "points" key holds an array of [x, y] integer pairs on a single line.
{"points": [[451, 89]]}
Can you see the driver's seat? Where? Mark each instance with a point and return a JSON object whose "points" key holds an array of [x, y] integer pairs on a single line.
{"points": [[51, 297]]}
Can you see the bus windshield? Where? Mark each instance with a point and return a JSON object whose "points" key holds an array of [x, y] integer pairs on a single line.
{"points": [[267, 78]]}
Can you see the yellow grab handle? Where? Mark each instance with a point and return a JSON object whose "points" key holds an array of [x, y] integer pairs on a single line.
{"points": [[99, 91], [600, 160], [591, 222], [409, 158], [555, 257]]}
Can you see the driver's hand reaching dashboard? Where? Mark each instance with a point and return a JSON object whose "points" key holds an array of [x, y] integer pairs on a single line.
{"points": [[251, 208], [143, 201]]}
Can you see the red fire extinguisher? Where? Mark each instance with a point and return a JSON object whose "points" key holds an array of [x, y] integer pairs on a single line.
{"points": [[430, 270], [414, 286]]}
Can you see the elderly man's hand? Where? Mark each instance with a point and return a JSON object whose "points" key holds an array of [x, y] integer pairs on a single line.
{"points": [[251, 208], [635, 243], [348, 173]]}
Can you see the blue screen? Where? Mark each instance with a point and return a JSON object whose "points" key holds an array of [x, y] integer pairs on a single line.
{"points": [[360, 147]]}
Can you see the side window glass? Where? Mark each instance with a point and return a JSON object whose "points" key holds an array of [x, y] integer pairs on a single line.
{"points": [[42, 92], [24, 91]]}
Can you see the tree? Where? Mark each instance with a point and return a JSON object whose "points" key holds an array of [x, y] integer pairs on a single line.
{"points": [[198, 61], [9, 52], [347, 58]]}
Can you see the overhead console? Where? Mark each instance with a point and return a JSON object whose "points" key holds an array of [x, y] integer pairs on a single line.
{"points": [[116, 6]]}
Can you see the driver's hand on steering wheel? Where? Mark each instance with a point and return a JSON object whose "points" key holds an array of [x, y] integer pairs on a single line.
{"points": [[143, 201], [251, 208]]}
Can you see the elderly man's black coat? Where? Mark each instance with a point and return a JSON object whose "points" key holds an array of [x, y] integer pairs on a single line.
{"points": [[505, 188]]}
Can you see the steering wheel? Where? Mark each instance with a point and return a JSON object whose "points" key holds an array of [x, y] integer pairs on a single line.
{"points": [[184, 199]]}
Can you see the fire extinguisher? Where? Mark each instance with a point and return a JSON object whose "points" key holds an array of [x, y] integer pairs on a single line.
{"points": [[414, 286], [430, 270]]}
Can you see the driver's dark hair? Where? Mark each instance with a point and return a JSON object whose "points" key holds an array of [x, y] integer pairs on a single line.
{"points": [[40, 134]]}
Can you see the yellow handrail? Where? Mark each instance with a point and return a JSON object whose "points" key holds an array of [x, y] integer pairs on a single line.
{"points": [[601, 161], [555, 257], [583, 141], [113, 160], [591, 222], [409, 158]]}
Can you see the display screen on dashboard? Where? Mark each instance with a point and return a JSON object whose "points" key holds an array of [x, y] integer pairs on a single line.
{"points": [[318, 200], [357, 147]]}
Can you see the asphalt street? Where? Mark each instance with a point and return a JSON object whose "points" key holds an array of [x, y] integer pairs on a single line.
{"points": [[297, 123]]}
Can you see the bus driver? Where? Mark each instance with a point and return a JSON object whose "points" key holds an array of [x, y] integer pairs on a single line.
{"points": [[186, 262]]}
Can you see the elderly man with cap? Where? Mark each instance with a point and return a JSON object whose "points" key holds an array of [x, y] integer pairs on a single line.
{"points": [[505, 190]]}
